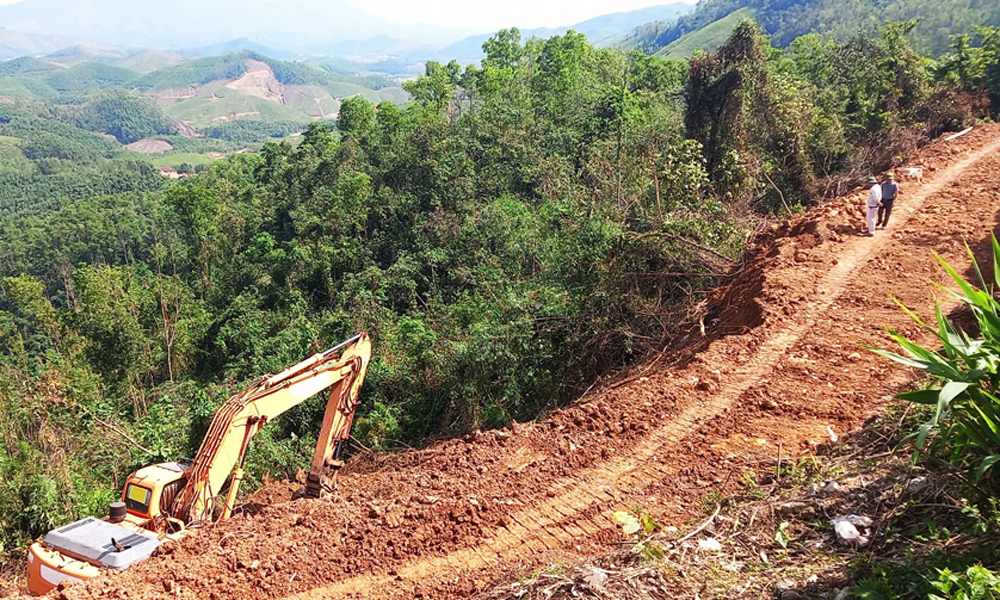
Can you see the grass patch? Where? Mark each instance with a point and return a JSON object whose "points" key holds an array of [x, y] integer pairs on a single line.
{"points": [[708, 38], [179, 158], [12, 160], [223, 103]]}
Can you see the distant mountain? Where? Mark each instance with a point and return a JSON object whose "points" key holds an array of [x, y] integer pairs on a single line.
{"points": [[604, 30], [785, 20], [79, 54], [284, 29], [379, 47], [237, 45], [20, 43], [289, 24], [146, 61]]}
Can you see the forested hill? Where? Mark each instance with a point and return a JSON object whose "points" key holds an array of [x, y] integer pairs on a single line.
{"points": [[65, 76], [785, 20], [74, 124]]}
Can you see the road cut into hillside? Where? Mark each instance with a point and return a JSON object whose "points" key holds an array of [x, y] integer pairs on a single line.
{"points": [[779, 366]]}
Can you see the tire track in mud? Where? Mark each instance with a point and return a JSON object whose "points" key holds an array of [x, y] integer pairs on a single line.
{"points": [[563, 519]]}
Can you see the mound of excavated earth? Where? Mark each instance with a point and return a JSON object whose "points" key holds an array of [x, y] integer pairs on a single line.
{"points": [[779, 366]]}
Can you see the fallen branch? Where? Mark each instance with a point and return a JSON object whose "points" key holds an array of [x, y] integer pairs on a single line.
{"points": [[958, 135], [684, 240], [780, 195], [360, 445], [708, 522], [121, 433]]}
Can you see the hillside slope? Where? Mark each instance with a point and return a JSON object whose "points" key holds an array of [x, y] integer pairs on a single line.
{"points": [[785, 21], [197, 93], [776, 364], [706, 39]]}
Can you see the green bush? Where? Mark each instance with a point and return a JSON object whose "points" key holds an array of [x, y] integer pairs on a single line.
{"points": [[976, 583]]}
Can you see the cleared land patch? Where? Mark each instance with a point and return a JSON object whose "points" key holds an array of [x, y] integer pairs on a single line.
{"points": [[177, 159], [151, 146]]}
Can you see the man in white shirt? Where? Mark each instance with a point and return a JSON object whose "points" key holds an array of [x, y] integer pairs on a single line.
{"points": [[874, 202]]}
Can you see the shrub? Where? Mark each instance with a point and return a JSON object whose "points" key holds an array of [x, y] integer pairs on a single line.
{"points": [[966, 417]]}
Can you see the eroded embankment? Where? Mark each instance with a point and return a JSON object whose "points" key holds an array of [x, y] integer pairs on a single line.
{"points": [[784, 366]]}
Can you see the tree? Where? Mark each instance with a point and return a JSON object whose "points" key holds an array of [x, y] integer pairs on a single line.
{"points": [[990, 62], [435, 90], [357, 117], [745, 119]]}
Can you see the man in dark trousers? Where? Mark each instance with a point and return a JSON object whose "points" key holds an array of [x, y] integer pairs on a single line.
{"points": [[890, 191]]}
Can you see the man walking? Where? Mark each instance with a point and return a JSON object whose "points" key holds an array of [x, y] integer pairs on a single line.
{"points": [[874, 202], [890, 191]]}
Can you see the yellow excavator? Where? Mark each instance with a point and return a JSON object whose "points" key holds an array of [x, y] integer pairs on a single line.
{"points": [[166, 501]]}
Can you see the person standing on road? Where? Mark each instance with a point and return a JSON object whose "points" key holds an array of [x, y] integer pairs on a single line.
{"points": [[890, 191], [874, 202]]}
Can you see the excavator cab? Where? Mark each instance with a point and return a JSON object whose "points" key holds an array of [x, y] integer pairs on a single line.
{"points": [[150, 492]]}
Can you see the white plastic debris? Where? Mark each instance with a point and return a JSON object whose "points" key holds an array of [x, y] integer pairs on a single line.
{"points": [[848, 532], [709, 545], [917, 484], [596, 578]]}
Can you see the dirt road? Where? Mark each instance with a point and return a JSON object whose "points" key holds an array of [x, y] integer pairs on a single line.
{"points": [[781, 364]]}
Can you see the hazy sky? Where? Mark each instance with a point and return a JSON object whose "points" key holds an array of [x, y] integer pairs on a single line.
{"points": [[491, 14]]}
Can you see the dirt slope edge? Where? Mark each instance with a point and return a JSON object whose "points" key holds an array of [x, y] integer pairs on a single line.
{"points": [[447, 520]]}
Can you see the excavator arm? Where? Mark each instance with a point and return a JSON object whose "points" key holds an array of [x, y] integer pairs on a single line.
{"points": [[224, 448]]}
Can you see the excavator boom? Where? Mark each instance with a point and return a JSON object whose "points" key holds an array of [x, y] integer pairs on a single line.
{"points": [[224, 448]]}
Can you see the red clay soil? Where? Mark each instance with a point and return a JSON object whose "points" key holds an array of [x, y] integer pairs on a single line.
{"points": [[782, 363]]}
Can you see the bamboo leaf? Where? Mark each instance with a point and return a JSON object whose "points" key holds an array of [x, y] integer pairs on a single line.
{"points": [[984, 466], [996, 257], [925, 430], [913, 315], [953, 343], [949, 392], [921, 396], [969, 291], [975, 265]]}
